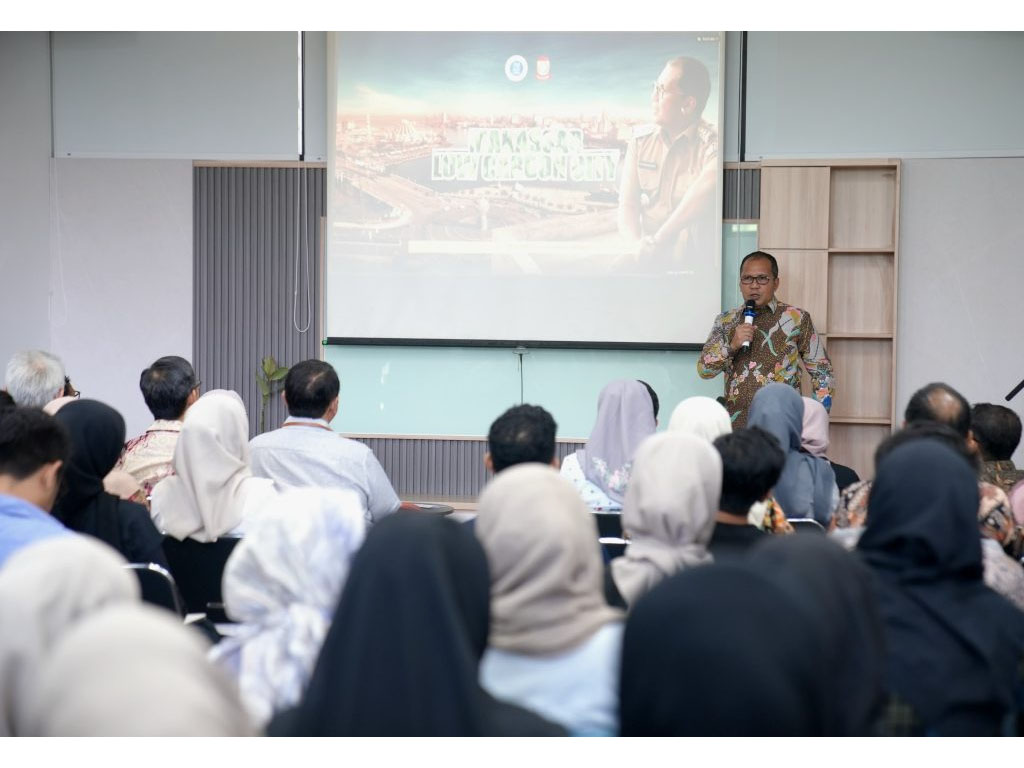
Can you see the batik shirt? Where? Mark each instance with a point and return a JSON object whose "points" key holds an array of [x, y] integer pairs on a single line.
{"points": [[784, 335], [1001, 473], [149, 458]]}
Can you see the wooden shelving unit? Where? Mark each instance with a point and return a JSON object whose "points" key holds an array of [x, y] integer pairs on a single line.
{"points": [[833, 226]]}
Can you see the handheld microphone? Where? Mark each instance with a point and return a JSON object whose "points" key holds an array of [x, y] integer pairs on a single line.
{"points": [[748, 318]]}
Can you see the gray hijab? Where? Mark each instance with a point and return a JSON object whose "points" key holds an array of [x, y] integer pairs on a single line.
{"points": [[807, 485], [625, 416]]}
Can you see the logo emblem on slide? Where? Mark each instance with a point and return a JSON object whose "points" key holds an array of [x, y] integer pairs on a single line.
{"points": [[516, 68], [543, 68]]}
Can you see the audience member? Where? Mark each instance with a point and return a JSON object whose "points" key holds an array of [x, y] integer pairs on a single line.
{"points": [[814, 440], [306, 451], [555, 644], [169, 387], [600, 471], [722, 651], [522, 434], [922, 544], [45, 589], [34, 378], [996, 431], [281, 584], [835, 590], [401, 656], [668, 516], [97, 434], [213, 490], [33, 450], [752, 461], [701, 416], [807, 485], [133, 670]]}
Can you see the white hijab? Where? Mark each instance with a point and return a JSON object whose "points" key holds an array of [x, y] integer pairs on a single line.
{"points": [[547, 579], [133, 670], [282, 584], [45, 589], [669, 512], [213, 484], [701, 416]]}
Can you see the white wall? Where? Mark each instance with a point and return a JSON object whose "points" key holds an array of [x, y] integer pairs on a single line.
{"points": [[24, 192], [122, 283], [962, 279]]}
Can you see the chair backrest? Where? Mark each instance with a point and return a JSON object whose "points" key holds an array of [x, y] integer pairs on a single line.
{"points": [[806, 525], [198, 567], [609, 524], [158, 587], [612, 547]]}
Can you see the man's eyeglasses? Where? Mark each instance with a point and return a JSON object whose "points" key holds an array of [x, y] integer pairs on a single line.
{"points": [[759, 279], [69, 390], [661, 91]]}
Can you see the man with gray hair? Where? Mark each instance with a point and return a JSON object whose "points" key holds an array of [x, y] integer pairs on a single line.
{"points": [[34, 378]]}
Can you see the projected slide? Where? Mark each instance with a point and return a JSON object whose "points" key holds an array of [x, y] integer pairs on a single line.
{"points": [[555, 186]]}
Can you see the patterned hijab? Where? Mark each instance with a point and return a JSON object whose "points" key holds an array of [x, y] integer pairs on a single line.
{"points": [[814, 435], [669, 511], [701, 416], [546, 571], [45, 589], [134, 670], [281, 584], [206, 497], [807, 485], [625, 416]]}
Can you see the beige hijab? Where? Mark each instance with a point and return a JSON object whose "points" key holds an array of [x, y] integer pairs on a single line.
{"points": [[701, 416], [669, 512], [45, 589], [133, 670], [546, 573], [207, 496]]}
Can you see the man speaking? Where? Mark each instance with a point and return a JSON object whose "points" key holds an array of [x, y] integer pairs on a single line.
{"points": [[765, 346]]}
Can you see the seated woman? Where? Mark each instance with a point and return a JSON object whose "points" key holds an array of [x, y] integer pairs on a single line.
{"points": [[669, 513], [814, 440], [213, 490], [554, 642], [807, 486], [401, 657], [954, 646], [627, 412], [281, 583], [97, 436], [701, 416]]}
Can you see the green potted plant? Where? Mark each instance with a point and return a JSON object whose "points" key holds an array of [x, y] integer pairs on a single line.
{"points": [[270, 378]]}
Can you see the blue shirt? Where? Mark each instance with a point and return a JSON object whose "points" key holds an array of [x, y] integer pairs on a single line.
{"points": [[22, 523]]}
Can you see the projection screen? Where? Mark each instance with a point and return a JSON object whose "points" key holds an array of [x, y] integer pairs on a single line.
{"points": [[560, 187]]}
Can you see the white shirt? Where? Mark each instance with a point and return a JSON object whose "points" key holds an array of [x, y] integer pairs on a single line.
{"points": [[307, 452], [578, 688]]}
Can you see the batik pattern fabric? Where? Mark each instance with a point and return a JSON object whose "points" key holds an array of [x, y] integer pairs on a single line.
{"points": [[1001, 473], [784, 335], [149, 457]]}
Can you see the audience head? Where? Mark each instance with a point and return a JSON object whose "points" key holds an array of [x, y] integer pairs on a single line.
{"points": [[311, 390], [940, 402], [721, 651], [931, 430], [545, 563], [34, 449], [169, 387], [751, 464], [779, 410], [814, 435], [97, 437], [700, 416], [134, 670], [34, 378], [996, 430], [522, 434], [669, 511]]}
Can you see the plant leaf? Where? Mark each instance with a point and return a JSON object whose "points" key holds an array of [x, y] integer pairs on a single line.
{"points": [[264, 388], [269, 365], [279, 374]]}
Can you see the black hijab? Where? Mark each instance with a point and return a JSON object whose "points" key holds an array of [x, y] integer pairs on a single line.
{"points": [[835, 591], [402, 653], [97, 437], [720, 651], [953, 644]]}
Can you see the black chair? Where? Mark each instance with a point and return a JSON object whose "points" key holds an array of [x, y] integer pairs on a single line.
{"points": [[609, 525], [158, 587], [198, 567], [806, 525], [612, 547]]}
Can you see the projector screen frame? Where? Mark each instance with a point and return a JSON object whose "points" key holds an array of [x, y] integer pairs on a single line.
{"points": [[358, 341]]}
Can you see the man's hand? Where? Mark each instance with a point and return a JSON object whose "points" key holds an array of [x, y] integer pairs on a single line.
{"points": [[742, 333]]}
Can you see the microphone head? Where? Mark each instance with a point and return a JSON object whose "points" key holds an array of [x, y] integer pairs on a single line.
{"points": [[750, 304]]}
